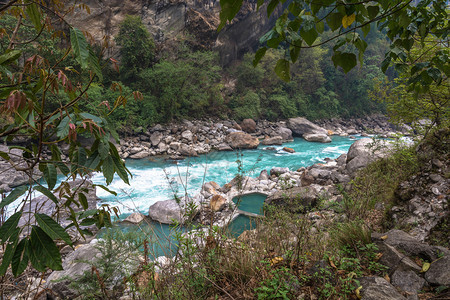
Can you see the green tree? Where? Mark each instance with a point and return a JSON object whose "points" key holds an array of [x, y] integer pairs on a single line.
{"points": [[405, 22], [136, 47], [29, 79]]}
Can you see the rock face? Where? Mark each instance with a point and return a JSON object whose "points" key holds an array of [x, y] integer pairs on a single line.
{"points": [[241, 140], [439, 272], [166, 20], [308, 130]]}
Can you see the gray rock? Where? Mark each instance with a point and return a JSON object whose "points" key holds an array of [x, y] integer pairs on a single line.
{"points": [[412, 247], [394, 259], [407, 281], [285, 133], [317, 137], [187, 135], [140, 155], [364, 151], [166, 212], [439, 272], [263, 175], [301, 126], [319, 173], [248, 125], [155, 138], [377, 288], [224, 147], [241, 140], [276, 140], [187, 150], [277, 171], [170, 212], [304, 198], [135, 218]]}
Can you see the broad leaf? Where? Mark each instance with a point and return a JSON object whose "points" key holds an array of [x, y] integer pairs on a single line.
{"points": [[258, 55], [94, 64], [309, 36], [9, 227], [50, 175], [10, 248], [20, 258], [47, 193], [9, 57], [52, 228], [108, 169], [282, 69], [105, 188], [120, 169], [16, 193], [348, 20], [334, 20], [44, 250], [83, 200]]}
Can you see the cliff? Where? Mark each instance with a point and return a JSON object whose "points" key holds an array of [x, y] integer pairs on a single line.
{"points": [[168, 20]]}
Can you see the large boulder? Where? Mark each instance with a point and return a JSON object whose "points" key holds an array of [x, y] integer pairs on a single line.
{"points": [[217, 202], [170, 211], [285, 133], [308, 130], [364, 151], [187, 150], [248, 125], [301, 126], [275, 140], [297, 199], [317, 137], [156, 137], [241, 140]]}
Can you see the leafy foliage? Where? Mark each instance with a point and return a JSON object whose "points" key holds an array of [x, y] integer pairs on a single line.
{"points": [[42, 86]]}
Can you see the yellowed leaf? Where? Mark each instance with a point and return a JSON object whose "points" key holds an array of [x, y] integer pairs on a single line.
{"points": [[384, 237], [425, 267], [276, 260], [348, 20], [378, 256], [358, 292], [388, 279], [332, 263]]}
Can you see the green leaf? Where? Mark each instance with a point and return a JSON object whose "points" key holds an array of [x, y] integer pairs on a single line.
{"points": [[94, 64], [9, 227], [16, 193], [435, 74], [35, 15], [9, 252], [282, 69], [50, 175], [79, 46], [47, 193], [320, 27], [44, 250], [258, 55], [108, 169], [83, 200], [345, 60], [120, 169], [373, 11], [93, 161], [9, 56], [309, 36], [294, 52], [229, 9], [103, 149], [4, 155], [366, 29], [334, 20], [52, 228], [82, 157], [271, 7], [105, 188], [63, 127], [63, 168], [20, 258]]}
